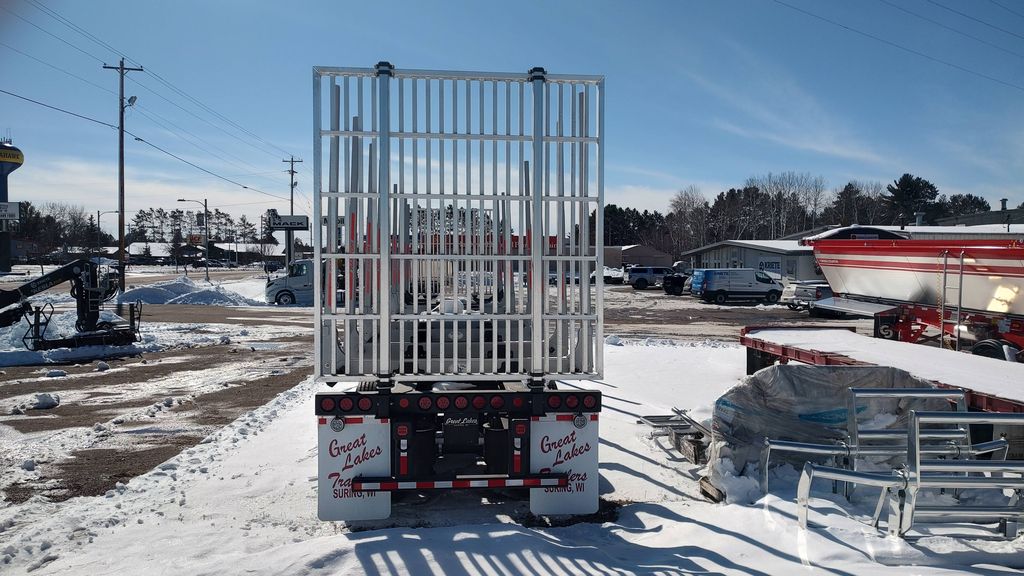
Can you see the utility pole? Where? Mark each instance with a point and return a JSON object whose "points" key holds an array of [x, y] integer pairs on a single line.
{"points": [[289, 234], [121, 71]]}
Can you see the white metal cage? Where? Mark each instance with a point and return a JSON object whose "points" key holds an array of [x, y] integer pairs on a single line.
{"points": [[460, 225]]}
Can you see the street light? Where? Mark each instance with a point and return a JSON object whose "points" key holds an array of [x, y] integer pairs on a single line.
{"points": [[206, 238], [99, 231]]}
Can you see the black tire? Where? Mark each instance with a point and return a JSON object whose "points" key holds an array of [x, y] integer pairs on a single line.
{"points": [[989, 349], [285, 298], [640, 284], [676, 290], [720, 297], [772, 297]]}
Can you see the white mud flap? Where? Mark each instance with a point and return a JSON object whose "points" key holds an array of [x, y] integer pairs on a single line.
{"points": [[565, 443], [347, 448]]}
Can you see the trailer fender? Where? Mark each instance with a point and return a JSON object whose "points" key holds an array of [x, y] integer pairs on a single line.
{"points": [[349, 447], [565, 443]]}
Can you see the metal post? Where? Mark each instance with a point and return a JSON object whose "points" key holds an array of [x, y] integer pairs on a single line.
{"points": [[206, 239], [289, 235], [536, 237], [384, 73], [121, 70]]}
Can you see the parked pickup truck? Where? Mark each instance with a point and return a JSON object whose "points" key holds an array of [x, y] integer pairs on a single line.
{"points": [[799, 295], [644, 277]]}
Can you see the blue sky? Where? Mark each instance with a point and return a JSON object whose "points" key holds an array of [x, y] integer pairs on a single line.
{"points": [[699, 92]]}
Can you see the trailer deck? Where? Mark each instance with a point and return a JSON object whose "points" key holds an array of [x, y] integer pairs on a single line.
{"points": [[990, 384]]}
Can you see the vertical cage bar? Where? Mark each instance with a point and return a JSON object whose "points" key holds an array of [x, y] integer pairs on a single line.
{"points": [[384, 72], [317, 149]]}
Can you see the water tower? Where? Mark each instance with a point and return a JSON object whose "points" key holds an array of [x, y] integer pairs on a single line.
{"points": [[11, 159]]}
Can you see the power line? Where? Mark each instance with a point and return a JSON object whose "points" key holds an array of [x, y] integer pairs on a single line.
{"points": [[147, 113], [139, 139], [54, 14], [200, 168], [34, 25], [901, 47], [1004, 7], [59, 109], [58, 68], [979, 21], [951, 29]]}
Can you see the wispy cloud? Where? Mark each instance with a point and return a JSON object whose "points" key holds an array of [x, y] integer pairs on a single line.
{"points": [[774, 107]]}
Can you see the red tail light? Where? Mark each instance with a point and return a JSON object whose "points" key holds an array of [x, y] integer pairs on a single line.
{"points": [[497, 402], [517, 402], [403, 403], [479, 402], [520, 429], [554, 402], [817, 294], [327, 404], [424, 403], [589, 401], [572, 401], [443, 403], [402, 430], [365, 404], [346, 404], [461, 403]]}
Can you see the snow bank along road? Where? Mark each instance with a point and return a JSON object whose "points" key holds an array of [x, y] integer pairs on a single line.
{"points": [[242, 501]]}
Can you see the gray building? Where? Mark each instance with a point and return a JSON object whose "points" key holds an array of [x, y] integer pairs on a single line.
{"points": [[786, 258], [638, 254]]}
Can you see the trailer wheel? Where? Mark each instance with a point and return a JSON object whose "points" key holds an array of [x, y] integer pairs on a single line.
{"points": [[989, 349], [720, 297], [772, 297], [285, 298], [640, 284]]}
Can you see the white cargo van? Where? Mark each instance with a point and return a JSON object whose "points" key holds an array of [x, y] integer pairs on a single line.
{"points": [[295, 286], [724, 284]]}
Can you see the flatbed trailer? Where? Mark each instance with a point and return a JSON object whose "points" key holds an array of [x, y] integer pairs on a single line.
{"points": [[990, 384], [457, 207]]}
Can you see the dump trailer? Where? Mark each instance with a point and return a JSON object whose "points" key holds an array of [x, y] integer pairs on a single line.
{"points": [[464, 213]]}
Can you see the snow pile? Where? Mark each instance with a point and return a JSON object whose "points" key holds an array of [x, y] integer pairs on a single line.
{"points": [[184, 291], [159, 292], [216, 296], [45, 401]]}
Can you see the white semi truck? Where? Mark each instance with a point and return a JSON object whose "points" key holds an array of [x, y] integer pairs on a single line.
{"points": [[446, 201]]}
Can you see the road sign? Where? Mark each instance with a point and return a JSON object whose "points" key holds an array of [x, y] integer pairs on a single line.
{"points": [[286, 222], [9, 211]]}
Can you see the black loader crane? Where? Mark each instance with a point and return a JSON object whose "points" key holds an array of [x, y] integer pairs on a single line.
{"points": [[90, 287]]}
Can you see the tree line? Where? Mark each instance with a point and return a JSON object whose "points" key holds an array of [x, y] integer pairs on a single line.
{"points": [[774, 206], [60, 226]]}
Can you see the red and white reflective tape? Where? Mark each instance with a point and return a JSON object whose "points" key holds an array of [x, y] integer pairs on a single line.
{"points": [[561, 417], [454, 484]]}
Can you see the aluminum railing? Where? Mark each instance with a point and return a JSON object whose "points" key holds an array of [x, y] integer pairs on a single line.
{"points": [[902, 486], [925, 474]]}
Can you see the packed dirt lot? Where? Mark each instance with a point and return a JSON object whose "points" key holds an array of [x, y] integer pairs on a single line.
{"points": [[123, 416]]}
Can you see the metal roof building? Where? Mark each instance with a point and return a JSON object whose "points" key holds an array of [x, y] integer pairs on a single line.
{"points": [[786, 258]]}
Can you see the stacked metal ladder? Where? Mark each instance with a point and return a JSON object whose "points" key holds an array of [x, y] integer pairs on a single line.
{"points": [[955, 313]]}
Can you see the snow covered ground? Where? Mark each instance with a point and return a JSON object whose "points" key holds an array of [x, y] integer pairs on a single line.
{"points": [[154, 336], [244, 502]]}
